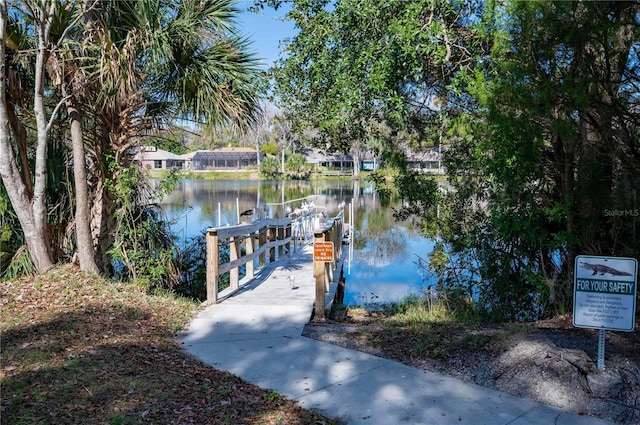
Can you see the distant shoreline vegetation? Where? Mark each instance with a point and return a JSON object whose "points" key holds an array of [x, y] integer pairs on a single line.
{"points": [[246, 174]]}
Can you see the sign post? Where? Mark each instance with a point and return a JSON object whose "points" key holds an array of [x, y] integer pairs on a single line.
{"points": [[604, 296], [323, 252], [322, 255]]}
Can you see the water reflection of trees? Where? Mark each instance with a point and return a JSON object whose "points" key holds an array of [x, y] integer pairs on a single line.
{"points": [[193, 207], [380, 241], [386, 248], [206, 195]]}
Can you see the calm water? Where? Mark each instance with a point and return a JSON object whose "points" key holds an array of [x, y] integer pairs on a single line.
{"points": [[382, 267]]}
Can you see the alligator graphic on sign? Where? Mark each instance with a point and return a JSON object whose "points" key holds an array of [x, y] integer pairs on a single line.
{"points": [[601, 269]]}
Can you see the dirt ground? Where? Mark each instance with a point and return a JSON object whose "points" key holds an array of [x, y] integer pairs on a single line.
{"points": [[548, 361]]}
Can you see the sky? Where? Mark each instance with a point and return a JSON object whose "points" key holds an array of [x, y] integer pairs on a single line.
{"points": [[265, 29]]}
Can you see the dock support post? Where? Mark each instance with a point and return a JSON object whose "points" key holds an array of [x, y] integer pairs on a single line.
{"points": [[249, 248], [288, 234], [272, 237], [262, 240], [319, 271], [212, 266], [234, 254]]}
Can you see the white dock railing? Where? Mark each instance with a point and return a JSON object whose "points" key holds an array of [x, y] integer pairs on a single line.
{"points": [[266, 240]]}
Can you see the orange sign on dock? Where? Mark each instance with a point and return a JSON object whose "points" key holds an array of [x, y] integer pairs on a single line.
{"points": [[323, 252]]}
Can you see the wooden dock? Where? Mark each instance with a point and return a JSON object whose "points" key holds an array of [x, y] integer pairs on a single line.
{"points": [[280, 266]]}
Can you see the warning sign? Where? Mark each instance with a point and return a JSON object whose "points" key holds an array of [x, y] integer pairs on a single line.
{"points": [[323, 252], [604, 295]]}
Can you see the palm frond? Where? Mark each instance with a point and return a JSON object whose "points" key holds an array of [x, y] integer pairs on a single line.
{"points": [[20, 265]]}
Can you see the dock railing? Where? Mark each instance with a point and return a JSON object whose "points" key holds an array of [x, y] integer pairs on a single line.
{"points": [[305, 217], [265, 240], [327, 273]]}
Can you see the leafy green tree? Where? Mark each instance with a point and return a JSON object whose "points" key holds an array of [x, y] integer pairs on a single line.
{"points": [[144, 249], [356, 64], [270, 167], [538, 102], [270, 149], [538, 176], [296, 166], [323, 82]]}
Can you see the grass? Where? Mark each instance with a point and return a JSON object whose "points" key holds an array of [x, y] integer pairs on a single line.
{"points": [[245, 174], [415, 328], [77, 349]]}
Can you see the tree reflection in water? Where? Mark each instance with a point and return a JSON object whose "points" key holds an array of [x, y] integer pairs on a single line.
{"points": [[382, 267]]}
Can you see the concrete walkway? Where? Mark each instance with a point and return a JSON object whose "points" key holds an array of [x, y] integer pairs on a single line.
{"points": [[256, 335]]}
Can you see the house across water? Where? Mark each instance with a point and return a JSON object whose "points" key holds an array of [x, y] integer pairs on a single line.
{"points": [[239, 158], [227, 158]]}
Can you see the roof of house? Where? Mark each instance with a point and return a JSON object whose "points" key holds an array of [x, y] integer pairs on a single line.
{"points": [[189, 155], [227, 153], [151, 153]]}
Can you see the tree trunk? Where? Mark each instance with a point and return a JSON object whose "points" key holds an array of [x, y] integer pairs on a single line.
{"points": [[39, 207], [356, 152], [86, 254], [33, 232], [20, 136], [103, 225]]}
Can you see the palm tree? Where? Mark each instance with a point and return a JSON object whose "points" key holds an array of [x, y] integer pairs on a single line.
{"points": [[145, 64], [67, 72], [163, 60]]}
